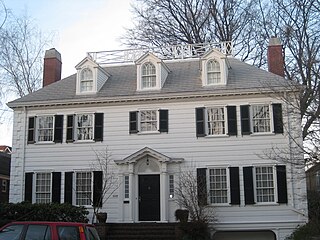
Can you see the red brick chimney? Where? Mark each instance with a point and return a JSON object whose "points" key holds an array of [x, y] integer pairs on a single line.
{"points": [[51, 67], [275, 57]]}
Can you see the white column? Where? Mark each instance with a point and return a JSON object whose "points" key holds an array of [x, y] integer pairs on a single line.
{"points": [[164, 193], [132, 194]]}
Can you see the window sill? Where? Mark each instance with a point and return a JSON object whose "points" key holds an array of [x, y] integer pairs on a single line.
{"points": [[266, 204], [44, 143], [147, 133], [220, 204], [217, 136], [262, 134], [83, 141]]}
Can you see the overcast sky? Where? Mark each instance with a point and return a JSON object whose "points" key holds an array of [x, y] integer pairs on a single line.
{"points": [[79, 26]]}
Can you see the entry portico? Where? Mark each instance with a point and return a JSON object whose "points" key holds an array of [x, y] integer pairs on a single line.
{"points": [[148, 186]]}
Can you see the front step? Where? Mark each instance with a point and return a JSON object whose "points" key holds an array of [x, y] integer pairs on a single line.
{"points": [[137, 231]]}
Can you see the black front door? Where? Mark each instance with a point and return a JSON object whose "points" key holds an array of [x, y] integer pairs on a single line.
{"points": [[149, 197]]}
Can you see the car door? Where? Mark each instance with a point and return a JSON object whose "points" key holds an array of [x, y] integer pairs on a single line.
{"points": [[12, 232], [37, 231]]}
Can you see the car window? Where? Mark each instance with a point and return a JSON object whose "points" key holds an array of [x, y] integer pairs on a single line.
{"points": [[91, 233], [11, 232], [38, 232], [68, 233]]}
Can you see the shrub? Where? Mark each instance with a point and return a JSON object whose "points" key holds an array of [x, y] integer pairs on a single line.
{"points": [[310, 231], [42, 212]]}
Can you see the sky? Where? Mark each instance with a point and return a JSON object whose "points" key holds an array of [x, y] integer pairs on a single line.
{"points": [[78, 27]]}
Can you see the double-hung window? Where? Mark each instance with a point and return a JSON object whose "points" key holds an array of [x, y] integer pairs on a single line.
{"points": [[148, 76], [213, 72], [86, 80], [43, 187], [261, 120], [265, 185], [216, 121], [83, 188], [45, 128], [85, 127], [148, 121], [218, 186]]}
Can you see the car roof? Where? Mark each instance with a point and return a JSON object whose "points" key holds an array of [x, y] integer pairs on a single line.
{"points": [[52, 223]]}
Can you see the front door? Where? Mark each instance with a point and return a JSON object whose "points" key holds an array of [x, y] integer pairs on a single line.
{"points": [[149, 197]]}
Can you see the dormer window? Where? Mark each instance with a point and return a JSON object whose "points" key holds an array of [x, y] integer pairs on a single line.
{"points": [[149, 77], [86, 80], [213, 72]]}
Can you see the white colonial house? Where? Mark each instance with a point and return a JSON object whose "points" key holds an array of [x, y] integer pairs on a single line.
{"points": [[161, 113]]}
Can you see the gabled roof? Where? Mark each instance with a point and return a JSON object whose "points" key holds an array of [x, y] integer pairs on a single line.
{"points": [[183, 81], [133, 158]]}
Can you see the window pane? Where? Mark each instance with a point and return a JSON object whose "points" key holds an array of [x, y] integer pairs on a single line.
{"points": [[126, 186], [213, 72], [68, 233], [148, 75], [38, 232], [261, 118], [171, 186], [148, 121], [11, 232], [85, 127], [218, 185], [264, 184], [86, 80], [43, 187], [216, 122], [83, 188], [45, 128]]}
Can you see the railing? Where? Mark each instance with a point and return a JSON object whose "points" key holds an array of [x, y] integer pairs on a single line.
{"points": [[182, 51]]}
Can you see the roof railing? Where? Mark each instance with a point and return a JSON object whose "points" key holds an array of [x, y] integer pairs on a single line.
{"points": [[182, 51]]}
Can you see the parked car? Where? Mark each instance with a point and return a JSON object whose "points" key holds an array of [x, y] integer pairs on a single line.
{"points": [[48, 231]]}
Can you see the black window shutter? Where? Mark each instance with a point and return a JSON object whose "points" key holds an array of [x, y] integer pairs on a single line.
{"points": [[70, 122], [245, 119], [234, 185], [58, 128], [97, 188], [133, 122], [277, 118], [31, 129], [56, 187], [163, 123], [202, 186], [68, 185], [200, 122], [232, 120], [98, 127], [248, 185], [282, 184], [28, 187]]}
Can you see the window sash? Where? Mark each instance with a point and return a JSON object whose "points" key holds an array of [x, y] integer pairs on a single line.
{"points": [[216, 121], [265, 184], [213, 72], [83, 188], [85, 127], [171, 186], [218, 185], [45, 131], [126, 187], [261, 118], [43, 188], [148, 121], [148, 76], [86, 80]]}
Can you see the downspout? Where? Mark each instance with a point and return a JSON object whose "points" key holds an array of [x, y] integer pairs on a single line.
{"points": [[290, 151], [24, 140]]}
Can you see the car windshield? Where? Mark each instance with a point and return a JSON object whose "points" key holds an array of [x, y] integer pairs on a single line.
{"points": [[12, 232], [91, 233]]}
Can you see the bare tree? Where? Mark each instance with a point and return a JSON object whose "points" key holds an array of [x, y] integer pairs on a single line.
{"points": [[22, 48], [103, 163]]}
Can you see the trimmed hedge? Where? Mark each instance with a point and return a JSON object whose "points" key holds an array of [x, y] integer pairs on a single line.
{"points": [[41, 212]]}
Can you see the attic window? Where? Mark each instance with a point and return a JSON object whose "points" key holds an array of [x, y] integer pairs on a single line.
{"points": [[148, 75], [213, 72], [86, 80]]}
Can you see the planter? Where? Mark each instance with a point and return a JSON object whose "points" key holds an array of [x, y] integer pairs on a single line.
{"points": [[102, 217]]}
